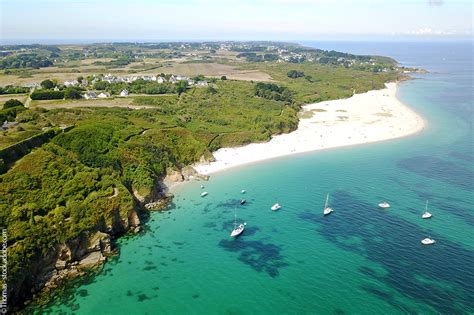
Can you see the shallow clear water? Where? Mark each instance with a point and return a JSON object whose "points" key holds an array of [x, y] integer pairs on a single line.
{"points": [[360, 259]]}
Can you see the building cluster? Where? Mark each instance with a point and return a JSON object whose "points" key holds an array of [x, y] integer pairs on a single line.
{"points": [[129, 79], [159, 79]]}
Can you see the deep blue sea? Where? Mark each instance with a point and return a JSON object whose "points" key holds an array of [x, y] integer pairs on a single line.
{"points": [[359, 260]]}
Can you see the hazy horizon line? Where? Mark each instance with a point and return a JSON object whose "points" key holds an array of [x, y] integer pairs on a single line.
{"points": [[77, 41]]}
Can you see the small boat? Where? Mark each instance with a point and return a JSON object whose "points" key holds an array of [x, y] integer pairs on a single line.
{"points": [[327, 210], [384, 205], [243, 201], [202, 186], [238, 229], [243, 191], [204, 194], [428, 241], [426, 214], [275, 207]]}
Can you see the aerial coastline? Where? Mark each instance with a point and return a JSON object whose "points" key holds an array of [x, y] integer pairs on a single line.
{"points": [[373, 116]]}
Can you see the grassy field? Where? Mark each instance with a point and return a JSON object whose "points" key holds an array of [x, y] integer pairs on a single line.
{"points": [[327, 81]]}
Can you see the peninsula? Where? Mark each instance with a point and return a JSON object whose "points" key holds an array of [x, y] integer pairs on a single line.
{"points": [[89, 133]]}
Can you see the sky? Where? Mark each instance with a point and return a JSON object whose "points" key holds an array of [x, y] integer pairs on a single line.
{"points": [[147, 20]]}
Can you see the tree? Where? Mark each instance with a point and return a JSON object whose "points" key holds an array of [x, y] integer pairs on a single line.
{"points": [[47, 84], [295, 74], [223, 77], [101, 85], [72, 93], [181, 86], [12, 103], [80, 79]]}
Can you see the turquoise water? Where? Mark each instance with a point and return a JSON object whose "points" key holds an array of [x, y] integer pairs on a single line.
{"points": [[358, 260]]}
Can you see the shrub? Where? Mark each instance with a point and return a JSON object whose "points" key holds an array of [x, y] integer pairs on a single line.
{"points": [[47, 95], [12, 103], [47, 84], [72, 93]]}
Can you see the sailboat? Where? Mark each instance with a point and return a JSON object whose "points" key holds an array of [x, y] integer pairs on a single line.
{"points": [[275, 207], [426, 214], [384, 205], [238, 229], [327, 209], [428, 241]]}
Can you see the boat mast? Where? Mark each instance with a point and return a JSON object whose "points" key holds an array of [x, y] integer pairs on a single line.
{"points": [[426, 206], [327, 199]]}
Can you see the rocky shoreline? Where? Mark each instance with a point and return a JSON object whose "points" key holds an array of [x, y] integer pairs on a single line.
{"points": [[90, 250]]}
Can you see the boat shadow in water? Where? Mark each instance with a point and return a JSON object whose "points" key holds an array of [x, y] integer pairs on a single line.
{"points": [[262, 257], [440, 276]]}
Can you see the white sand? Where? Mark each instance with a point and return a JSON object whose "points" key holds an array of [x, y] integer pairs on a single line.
{"points": [[369, 117]]}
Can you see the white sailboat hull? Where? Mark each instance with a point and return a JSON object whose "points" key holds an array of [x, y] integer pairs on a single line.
{"points": [[237, 231], [327, 210], [275, 207], [426, 215], [428, 241]]}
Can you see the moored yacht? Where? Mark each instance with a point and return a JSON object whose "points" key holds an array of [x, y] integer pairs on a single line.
{"points": [[275, 207], [238, 229], [204, 193], [426, 214], [327, 210], [428, 241], [384, 205]]}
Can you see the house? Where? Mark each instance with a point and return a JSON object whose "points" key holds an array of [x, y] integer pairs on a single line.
{"points": [[190, 82], [89, 95], [5, 125], [103, 95], [124, 93], [71, 83], [161, 80], [173, 79], [202, 83], [181, 78]]}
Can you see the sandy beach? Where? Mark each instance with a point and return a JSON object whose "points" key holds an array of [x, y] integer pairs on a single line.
{"points": [[363, 118]]}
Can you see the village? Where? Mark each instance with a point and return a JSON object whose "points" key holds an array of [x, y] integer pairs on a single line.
{"points": [[88, 85]]}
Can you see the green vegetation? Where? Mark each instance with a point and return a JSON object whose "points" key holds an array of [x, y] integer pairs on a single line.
{"points": [[140, 87], [47, 95], [273, 92], [25, 61], [9, 113], [72, 93], [12, 103], [9, 89], [324, 82], [295, 74], [47, 84]]}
